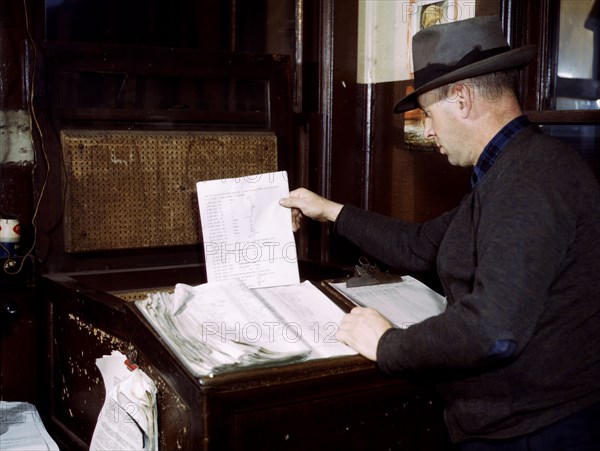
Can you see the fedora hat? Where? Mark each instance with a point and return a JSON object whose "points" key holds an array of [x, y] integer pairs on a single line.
{"points": [[458, 50]]}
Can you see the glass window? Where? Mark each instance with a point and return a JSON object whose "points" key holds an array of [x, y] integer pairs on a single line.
{"points": [[578, 67]]}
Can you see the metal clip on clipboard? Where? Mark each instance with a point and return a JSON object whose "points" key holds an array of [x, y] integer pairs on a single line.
{"points": [[366, 274]]}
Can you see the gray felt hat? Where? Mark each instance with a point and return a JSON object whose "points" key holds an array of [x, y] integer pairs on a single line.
{"points": [[458, 50]]}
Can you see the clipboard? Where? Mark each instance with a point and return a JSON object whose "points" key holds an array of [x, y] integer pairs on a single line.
{"points": [[365, 274], [403, 300]]}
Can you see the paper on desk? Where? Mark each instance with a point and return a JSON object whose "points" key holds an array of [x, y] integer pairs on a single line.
{"points": [[310, 317], [402, 303], [246, 233], [218, 326], [128, 419], [21, 428]]}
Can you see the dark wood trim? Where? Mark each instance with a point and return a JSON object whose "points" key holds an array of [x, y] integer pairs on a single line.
{"points": [[565, 116], [531, 23], [326, 94]]}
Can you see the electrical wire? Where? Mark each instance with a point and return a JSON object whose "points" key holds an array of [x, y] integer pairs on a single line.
{"points": [[10, 263]]}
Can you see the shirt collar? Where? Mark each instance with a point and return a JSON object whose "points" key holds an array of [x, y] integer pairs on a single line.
{"points": [[495, 147]]}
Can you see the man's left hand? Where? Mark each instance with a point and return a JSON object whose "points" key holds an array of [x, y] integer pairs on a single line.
{"points": [[361, 329]]}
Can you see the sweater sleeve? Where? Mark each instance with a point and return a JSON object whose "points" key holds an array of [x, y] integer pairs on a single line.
{"points": [[400, 244]]}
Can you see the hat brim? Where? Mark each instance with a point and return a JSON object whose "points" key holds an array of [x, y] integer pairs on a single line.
{"points": [[512, 59]]}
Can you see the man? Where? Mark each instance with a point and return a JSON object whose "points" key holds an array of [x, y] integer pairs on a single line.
{"points": [[516, 354]]}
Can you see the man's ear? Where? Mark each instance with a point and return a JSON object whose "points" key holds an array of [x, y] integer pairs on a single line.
{"points": [[462, 95]]}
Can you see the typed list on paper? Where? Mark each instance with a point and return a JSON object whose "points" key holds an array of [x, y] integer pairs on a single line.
{"points": [[246, 233]]}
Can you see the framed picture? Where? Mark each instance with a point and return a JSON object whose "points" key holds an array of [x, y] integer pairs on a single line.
{"points": [[426, 13], [431, 12]]}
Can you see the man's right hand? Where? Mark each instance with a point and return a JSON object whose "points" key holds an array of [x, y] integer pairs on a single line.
{"points": [[306, 203]]}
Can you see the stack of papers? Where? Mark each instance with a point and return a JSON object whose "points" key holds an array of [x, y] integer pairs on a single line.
{"points": [[220, 326], [21, 428], [253, 311]]}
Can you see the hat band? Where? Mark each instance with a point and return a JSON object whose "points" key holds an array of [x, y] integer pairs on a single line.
{"points": [[433, 71]]}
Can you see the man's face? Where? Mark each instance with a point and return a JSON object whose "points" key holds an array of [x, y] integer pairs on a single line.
{"points": [[444, 125]]}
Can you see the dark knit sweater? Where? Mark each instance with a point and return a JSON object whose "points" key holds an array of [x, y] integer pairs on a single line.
{"points": [[519, 259]]}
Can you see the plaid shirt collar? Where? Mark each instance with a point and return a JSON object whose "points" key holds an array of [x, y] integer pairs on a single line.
{"points": [[494, 148]]}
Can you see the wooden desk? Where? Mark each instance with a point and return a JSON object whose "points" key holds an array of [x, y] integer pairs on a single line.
{"points": [[340, 403]]}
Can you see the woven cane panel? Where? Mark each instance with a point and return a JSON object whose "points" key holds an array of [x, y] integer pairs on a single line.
{"points": [[137, 189]]}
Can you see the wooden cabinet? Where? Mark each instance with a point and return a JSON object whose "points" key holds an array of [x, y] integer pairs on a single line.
{"points": [[21, 348], [339, 403]]}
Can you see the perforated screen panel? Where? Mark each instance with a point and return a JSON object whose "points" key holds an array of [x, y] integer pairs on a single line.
{"points": [[137, 189]]}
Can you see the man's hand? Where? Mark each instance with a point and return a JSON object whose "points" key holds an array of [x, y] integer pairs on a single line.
{"points": [[306, 203], [361, 329]]}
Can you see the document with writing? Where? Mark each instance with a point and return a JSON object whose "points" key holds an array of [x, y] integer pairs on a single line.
{"points": [[246, 233], [128, 419], [402, 303], [21, 428]]}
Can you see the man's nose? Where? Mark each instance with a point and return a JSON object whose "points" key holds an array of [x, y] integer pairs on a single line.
{"points": [[428, 132]]}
